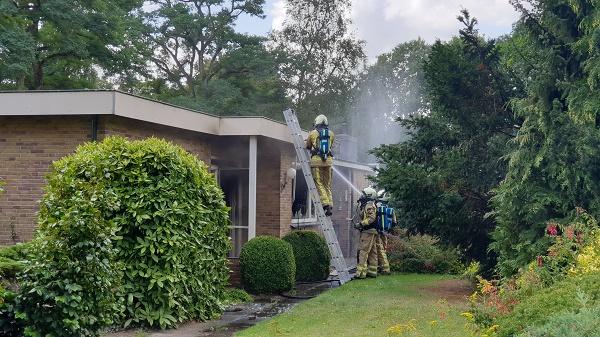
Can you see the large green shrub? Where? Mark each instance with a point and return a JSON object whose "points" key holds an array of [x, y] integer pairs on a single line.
{"points": [[421, 254], [585, 323], [569, 295], [170, 233], [70, 286], [311, 254], [267, 265]]}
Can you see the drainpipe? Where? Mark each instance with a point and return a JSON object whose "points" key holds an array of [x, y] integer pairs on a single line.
{"points": [[252, 163], [94, 128]]}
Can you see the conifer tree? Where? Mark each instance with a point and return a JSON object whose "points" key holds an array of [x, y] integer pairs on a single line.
{"points": [[554, 162]]}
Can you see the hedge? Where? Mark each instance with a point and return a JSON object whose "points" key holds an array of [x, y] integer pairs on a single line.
{"points": [[311, 255], [137, 230], [12, 260], [585, 323], [267, 265], [562, 297]]}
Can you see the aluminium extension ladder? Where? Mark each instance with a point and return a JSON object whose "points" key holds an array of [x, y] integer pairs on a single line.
{"points": [[337, 257]]}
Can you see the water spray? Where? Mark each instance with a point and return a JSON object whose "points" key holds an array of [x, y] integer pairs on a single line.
{"points": [[346, 180]]}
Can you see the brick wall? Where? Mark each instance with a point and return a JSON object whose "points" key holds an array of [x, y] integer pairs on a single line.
{"points": [[267, 189], [28, 145], [193, 142], [235, 278], [287, 157]]}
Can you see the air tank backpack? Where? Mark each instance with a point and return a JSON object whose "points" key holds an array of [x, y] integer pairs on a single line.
{"points": [[385, 218], [324, 147]]}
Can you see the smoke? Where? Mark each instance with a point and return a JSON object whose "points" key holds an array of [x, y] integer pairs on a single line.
{"points": [[390, 89]]}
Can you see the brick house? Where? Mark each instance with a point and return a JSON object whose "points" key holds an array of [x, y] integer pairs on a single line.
{"points": [[250, 156]]}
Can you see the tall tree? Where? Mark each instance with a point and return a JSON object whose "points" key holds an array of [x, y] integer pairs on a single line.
{"points": [[246, 84], [554, 162], [189, 36], [441, 177], [320, 56], [40, 38]]}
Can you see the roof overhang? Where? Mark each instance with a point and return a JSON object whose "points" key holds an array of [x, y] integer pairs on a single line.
{"points": [[98, 102], [111, 102]]}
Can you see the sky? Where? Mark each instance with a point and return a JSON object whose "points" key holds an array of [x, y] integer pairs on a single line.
{"points": [[383, 24]]}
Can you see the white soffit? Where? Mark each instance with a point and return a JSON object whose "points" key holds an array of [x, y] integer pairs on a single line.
{"points": [[164, 114], [56, 103], [253, 126]]}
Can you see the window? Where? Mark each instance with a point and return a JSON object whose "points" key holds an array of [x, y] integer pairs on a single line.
{"points": [[303, 210], [234, 183]]}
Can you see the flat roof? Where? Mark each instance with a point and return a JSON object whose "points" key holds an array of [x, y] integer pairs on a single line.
{"points": [[118, 103], [113, 102]]}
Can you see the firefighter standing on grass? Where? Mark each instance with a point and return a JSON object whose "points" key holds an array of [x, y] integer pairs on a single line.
{"points": [[367, 255], [319, 142], [386, 220]]}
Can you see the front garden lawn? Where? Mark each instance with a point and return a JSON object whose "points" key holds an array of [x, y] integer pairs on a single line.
{"points": [[376, 307]]}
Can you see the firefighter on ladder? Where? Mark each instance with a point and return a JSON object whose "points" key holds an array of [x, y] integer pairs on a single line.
{"points": [[319, 142]]}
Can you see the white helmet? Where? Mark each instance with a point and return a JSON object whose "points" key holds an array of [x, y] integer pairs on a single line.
{"points": [[370, 193], [321, 120]]}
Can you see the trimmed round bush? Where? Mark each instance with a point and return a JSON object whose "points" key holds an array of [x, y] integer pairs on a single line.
{"points": [[267, 265], [311, 254], [142, 221]]}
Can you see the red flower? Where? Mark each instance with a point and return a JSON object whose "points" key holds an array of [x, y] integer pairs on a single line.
{"points": [[552, 229], [540, 262]]}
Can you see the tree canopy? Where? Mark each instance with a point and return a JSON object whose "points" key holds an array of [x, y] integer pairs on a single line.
{"points": [[319, 57], [442, 176], [56, 44], [554, 162]]}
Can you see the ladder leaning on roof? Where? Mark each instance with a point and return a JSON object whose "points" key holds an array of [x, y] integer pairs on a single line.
{"points": [[337, 257]]}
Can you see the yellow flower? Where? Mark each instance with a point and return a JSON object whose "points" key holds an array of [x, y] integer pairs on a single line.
{"points": [[493, 328], [396, 329], [469, 316], [433, 323]]}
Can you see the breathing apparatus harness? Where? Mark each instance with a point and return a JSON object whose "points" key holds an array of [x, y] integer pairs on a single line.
{"points": [[323, 148]]}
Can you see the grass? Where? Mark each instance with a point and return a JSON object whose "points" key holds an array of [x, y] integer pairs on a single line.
{"points": [[371, 308]]}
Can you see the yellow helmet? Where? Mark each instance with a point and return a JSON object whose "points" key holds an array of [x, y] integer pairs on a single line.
{"points": [[321, 120]]}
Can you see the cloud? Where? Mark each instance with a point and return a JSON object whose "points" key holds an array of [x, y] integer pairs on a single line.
{"points": [[383, 24], [277, 13]]}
